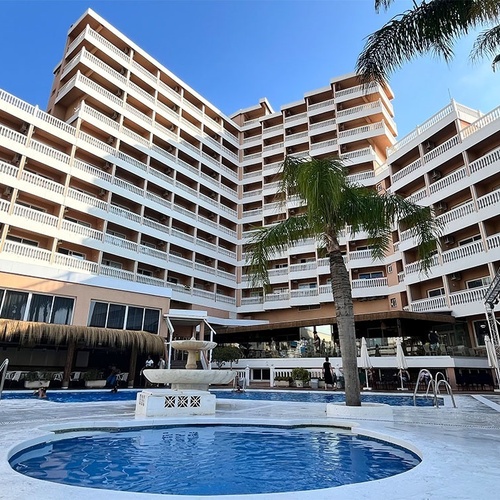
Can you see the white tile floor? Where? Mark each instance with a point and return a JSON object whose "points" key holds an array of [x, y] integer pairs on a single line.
{"points": [[460, 448]]}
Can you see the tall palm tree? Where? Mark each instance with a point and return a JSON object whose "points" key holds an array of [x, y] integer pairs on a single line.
{"points": [[430, 27], [332, 203]]}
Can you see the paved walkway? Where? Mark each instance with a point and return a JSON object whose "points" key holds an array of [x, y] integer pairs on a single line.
{"points": [[460, 447]]}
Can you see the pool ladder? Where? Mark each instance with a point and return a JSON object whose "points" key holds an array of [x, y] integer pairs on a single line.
{"points": [[434, 384], [3, 373]]}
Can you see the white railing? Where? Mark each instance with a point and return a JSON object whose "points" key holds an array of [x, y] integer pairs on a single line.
{"points": [[442, 148], [369, 283], [420, 129], [324, 144], [448, 181], [320, 105], [481, 123]]}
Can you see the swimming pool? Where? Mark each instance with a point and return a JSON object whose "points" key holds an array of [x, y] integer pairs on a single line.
{"points": [[215, 459], [260, 395]]}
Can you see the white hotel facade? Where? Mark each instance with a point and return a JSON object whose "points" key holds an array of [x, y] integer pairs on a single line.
{"points": [[132, 197]]}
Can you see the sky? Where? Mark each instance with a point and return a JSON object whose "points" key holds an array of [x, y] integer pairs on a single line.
{"points": [[235, 52]]}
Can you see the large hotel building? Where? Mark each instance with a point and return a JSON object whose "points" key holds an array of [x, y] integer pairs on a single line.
{"points": [[128, 204]]}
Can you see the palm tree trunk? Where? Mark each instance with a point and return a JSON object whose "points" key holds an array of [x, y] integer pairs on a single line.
{"points": [[341, 288]]}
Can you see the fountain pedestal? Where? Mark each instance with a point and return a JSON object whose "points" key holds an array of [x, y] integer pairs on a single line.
{"points": [[167, 403]]}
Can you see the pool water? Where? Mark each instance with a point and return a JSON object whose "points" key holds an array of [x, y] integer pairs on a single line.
{"points": [[215, 460], [283, 396]]}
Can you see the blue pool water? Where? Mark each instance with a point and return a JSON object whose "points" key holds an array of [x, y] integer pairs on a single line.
{"points": [[261, 395], [215, 460]]}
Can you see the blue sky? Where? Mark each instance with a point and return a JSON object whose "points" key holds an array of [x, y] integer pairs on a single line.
{"points": [[235, 52]]}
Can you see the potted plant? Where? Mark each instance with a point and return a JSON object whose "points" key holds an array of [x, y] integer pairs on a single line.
{"points": [[94, 379], [301, 377], [321, 383], [35, 380], [282, 381]]}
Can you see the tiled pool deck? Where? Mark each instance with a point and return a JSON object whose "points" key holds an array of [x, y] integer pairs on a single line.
{"points": [[460, 447]]}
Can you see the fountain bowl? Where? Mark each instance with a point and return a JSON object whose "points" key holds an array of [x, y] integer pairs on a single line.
{"points": [[190, 379]]}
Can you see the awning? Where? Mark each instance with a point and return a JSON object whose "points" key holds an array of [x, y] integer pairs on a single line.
{"points": [[29, 332]]}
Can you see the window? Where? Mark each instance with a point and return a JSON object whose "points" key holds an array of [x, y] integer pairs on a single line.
{"points": [[478, 282], [24, 241], [112, 263], [14, 305], [144, 272], [123, 317], [394, 302], [173, 280], [305, 286], [25, 306], [436, 292], [71, 253], [372, 275], [135, 318], [466, 241], [281, 266], [76, 221]]}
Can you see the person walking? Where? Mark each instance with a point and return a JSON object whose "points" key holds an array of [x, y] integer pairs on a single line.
{"points": [[161, 363], [328, 374]]}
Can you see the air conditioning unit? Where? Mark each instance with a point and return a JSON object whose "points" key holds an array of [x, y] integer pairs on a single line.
{"points": [[175, 108], [123, 71], [214, 175], [208, 262], [435, 175], [102, 192], [16, 159], [428, 146], [114, 116], [441, 206], [449, 240], [213, 196], [7, 191], [171, 128], [288, 113], [212, 216], [177, 88], [289, 150], [108, 166], [126, 50], [288, 131], [165, 194], [118, 93], [24, 128], [110, 139], [456, 277], [168, 171]]}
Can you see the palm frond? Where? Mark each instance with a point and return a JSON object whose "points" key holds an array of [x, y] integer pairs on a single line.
{"points": [[272, 240], [431, 27], [487, 44]]}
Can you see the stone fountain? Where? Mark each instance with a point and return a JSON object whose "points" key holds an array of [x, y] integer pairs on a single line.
{"points": [[188, 393]]}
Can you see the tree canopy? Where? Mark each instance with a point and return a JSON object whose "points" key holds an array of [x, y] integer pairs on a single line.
{"points": [[429, 27]]}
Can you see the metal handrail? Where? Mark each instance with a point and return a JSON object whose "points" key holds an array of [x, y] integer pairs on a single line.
{"points": [[433, 384], [3, 372]]}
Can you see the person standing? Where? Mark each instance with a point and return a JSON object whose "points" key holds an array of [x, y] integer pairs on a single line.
{"points": [[317, 342], [327, 374], [161, 363]]}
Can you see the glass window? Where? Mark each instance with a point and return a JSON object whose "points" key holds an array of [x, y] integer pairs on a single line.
{"points": [[479, 282], [14, 305], [40, 308], [62, 311], [435, 293], [151, 320], [135, 316], [116, 316], [98, 314]]}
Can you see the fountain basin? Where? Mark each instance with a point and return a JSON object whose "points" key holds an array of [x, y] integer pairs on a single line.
{"points": [[190, 379]]}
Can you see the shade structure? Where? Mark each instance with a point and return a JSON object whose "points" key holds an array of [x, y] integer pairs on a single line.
{"points": [[401, 363], [365, 362], [492, 357]]}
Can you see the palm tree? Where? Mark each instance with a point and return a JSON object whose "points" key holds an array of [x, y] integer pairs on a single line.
{"points": [[431, 27], [331, 204]]}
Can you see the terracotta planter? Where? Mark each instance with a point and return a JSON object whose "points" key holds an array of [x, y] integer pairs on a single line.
{"points": [[95, 384]]}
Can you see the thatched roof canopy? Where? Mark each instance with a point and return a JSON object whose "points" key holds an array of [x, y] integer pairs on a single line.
{"points": [[28, 332]]}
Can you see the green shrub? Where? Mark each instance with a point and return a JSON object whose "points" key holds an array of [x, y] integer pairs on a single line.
{"points": [[301, 374]]}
